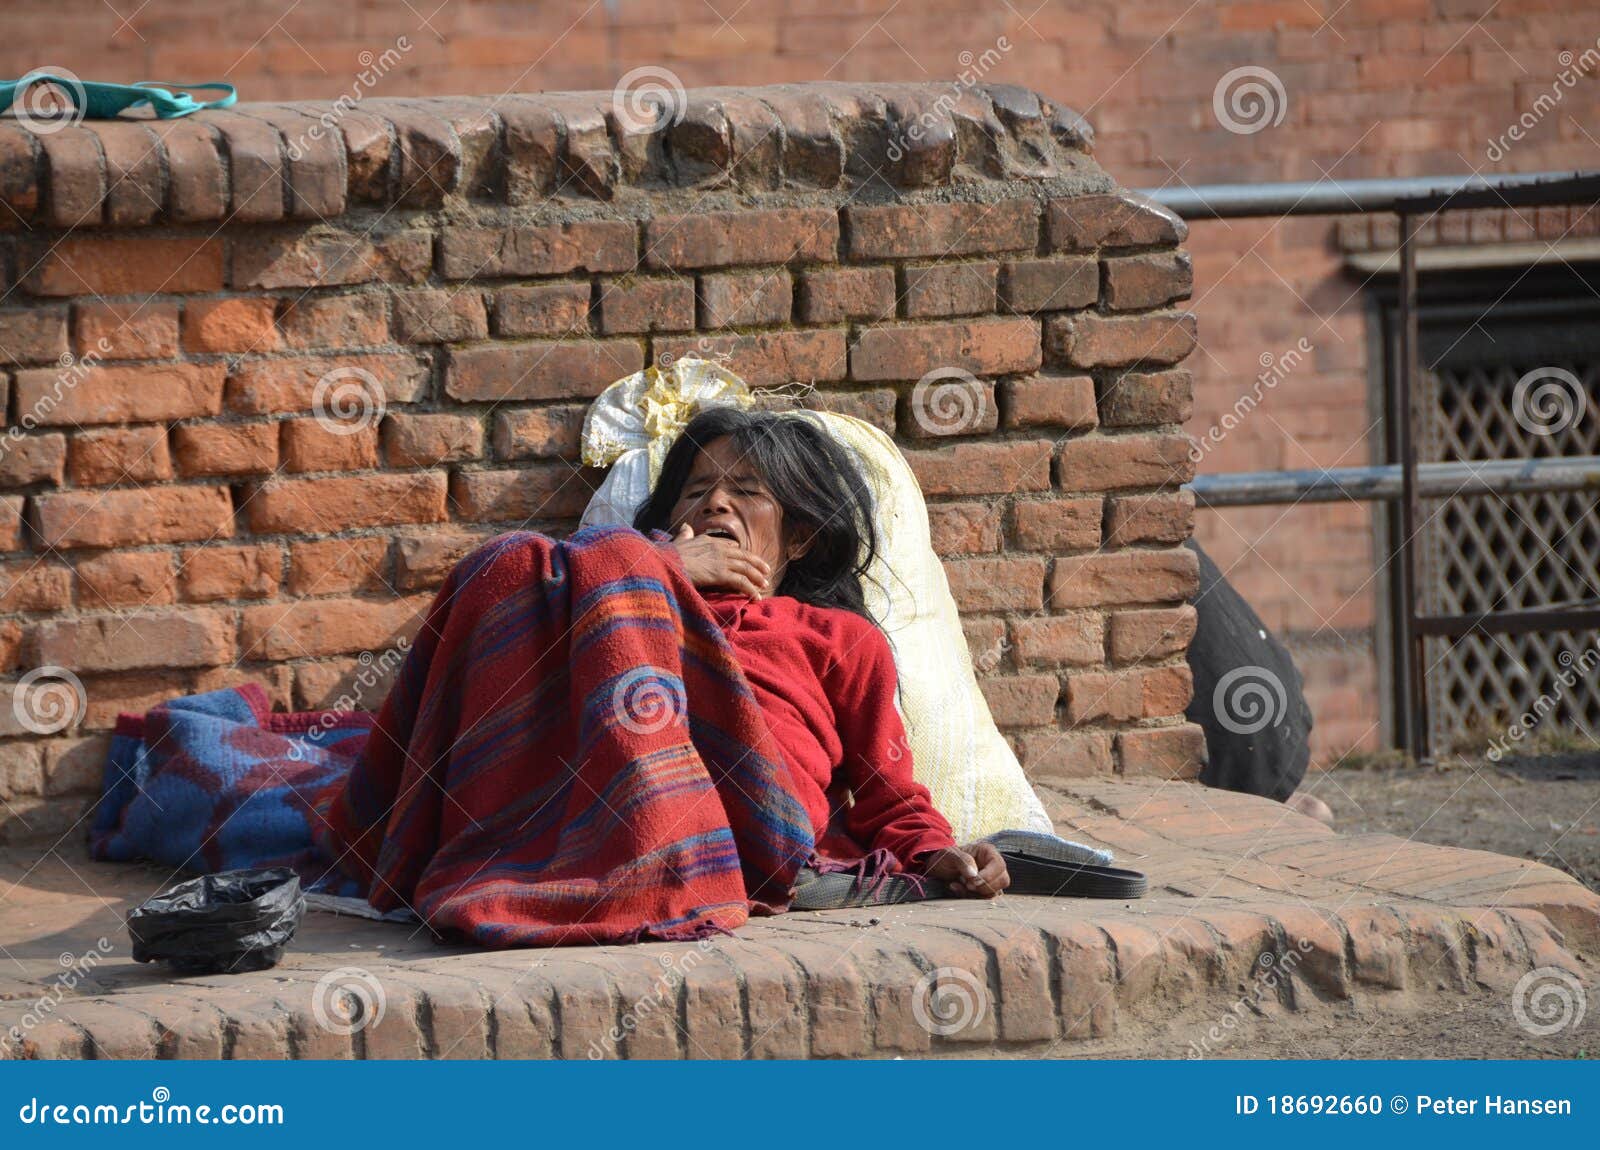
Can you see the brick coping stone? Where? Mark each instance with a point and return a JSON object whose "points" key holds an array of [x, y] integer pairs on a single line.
{"points": [[1253, 908], [309, 161]]}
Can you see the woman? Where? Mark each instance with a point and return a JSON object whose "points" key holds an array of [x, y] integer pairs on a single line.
{"points": [[636, 733]]}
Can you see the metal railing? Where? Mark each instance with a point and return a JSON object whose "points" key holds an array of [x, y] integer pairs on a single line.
{"points": [[1406, 481]]}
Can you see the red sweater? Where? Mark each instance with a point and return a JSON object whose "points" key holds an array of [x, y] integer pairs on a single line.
{"points": [[825, 680]]}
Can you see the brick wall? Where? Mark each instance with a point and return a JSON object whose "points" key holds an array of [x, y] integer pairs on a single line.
{"points": [[266, 384], [1371, 88]]}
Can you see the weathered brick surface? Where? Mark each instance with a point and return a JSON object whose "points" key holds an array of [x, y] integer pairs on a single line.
{"points": [[249, 380], [1344, 922]]}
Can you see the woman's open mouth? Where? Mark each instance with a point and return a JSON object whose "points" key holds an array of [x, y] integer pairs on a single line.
{"points": [[720, 533]]}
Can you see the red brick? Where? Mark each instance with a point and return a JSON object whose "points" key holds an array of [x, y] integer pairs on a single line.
{"points": [[766, 358], [33, 335], [436, 316], [290, 258], [427, 560], [1011, 584], [1088, 340], [101, 265], [1123, 577], [950, 289], [270, 386], [428, 440], [1164, 518], [1147, 399], [27, 585], [1050, 755], [11, 508], [126, 579], [539, 432], [1153, 280], [75, 766], [546, 369], [127, 518], [551, 309], [982, 468], [1177, 752], [230, 325], [1050, 285], [337, 321], [1105, 462], [312, 627], [212, 573], [989, 347], [1076, 640], [1021, 700], [548, 250], [746, 299], [338, 566], [147, 329], [539, 491], [120, 455], [906, 231], [316, 506], [1119, 220], [1049, 400], [964, 528], [1153, 634], [328, 445], [722, 239], [28, 459], [148, 639], [1056, 525], [1131, 694], [829, 295], [875, 405], [635, 305], [226, 448], [121, 394]]}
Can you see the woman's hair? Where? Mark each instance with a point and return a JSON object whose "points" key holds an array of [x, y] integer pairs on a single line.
{"points": [[823, 496]]}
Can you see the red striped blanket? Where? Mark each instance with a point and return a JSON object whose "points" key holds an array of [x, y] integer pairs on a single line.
{"points": [[570, 754]]}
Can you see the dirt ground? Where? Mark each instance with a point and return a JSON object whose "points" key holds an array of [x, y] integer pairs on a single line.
{"points": [[1547, 809]]}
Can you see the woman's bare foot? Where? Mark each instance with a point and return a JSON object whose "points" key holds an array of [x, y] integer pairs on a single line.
{"points": [[1310, 805]]}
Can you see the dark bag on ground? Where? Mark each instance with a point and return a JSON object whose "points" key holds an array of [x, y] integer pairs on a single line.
{"points": [[1248, 694], [220, 923]]}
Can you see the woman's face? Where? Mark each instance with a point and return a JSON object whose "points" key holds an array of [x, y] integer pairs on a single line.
{"points": [[726, 496]]}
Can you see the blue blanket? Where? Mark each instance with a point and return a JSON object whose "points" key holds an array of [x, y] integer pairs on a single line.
{"points": [[217, 781]]}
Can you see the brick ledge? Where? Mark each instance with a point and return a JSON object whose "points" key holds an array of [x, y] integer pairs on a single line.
{"points": [[259, 162]]}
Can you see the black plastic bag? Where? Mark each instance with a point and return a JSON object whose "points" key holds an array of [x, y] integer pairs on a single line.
{"points": [[220, 923]]}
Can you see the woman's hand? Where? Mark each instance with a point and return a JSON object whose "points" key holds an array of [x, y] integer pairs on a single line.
{"points": [[977, 871], [713, 562]]}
